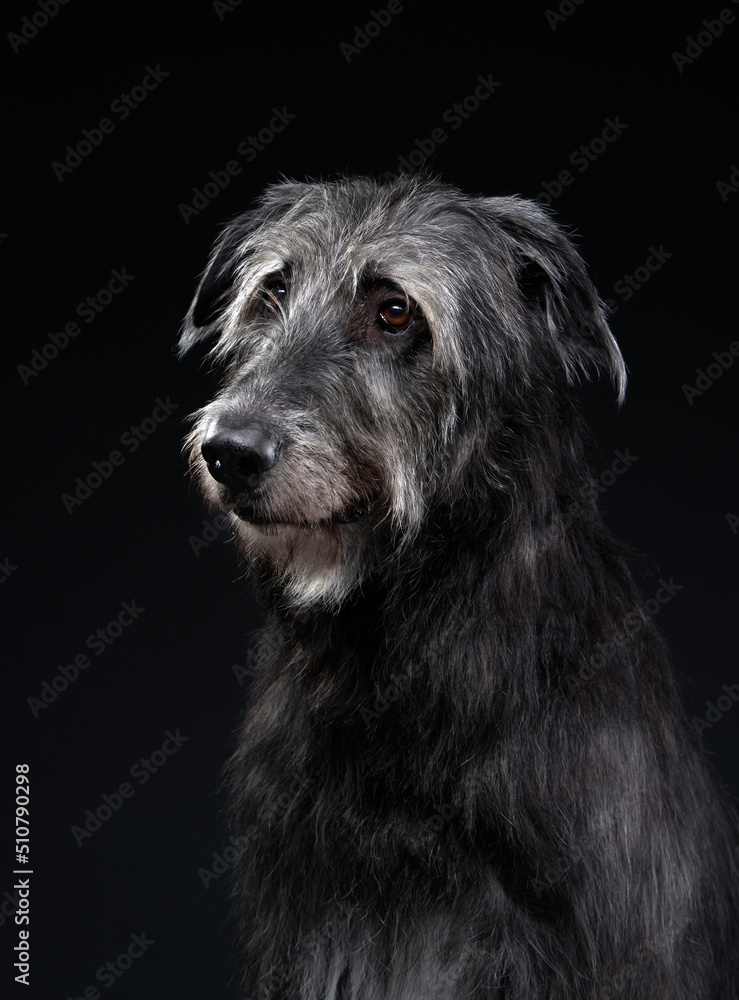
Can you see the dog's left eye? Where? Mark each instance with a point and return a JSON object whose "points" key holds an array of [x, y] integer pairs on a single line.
{"points": [[395, 316]]}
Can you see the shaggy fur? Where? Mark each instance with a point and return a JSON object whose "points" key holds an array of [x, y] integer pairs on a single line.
{"points": [[464, 770]]}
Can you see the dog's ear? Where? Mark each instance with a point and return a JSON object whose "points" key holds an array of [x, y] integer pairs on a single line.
{"points": [[231, 249], [554, 285], [211, 296]]}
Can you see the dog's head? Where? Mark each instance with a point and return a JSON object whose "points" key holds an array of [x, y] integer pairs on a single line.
{"points": [[375, 339]]}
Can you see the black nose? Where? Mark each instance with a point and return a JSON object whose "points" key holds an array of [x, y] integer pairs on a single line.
{"points": [[239, 457]]}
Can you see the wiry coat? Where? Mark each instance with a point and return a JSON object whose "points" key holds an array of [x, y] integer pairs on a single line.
{"points": [[464, 770]]}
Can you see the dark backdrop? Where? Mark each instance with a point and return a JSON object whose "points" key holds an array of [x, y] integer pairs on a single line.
{"points": [[125, 612]]}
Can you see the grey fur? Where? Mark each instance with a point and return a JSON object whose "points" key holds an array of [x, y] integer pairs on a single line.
{"points": [[464, 770]]}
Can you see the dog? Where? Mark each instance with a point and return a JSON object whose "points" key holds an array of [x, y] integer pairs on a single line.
{"points": [[464, 770]]}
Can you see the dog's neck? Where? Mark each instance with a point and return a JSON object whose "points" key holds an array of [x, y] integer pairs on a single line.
{"points": [[525, 579]]}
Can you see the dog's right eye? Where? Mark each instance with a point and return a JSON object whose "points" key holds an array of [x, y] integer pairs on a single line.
{"points": [[275, 292]]}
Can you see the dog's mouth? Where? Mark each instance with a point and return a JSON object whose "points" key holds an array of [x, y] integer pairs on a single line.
{"points": [[350, 515]]}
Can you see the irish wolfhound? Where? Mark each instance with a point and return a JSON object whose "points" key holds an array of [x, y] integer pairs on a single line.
{"points": [[464, 770]]}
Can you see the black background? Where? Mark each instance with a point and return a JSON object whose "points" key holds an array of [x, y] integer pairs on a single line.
{"points": [[67, 574]]}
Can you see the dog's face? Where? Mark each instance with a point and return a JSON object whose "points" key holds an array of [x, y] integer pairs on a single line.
{"points": [[364, 329]]}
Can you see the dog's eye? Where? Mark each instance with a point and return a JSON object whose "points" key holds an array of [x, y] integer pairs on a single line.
{"points": [[275, 292], [395, 316]]}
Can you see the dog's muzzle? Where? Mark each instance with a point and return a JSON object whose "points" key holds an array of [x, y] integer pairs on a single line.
{"points": [[241, 457]]}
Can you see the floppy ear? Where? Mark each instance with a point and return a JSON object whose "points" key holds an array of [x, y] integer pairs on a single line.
{"points": [[556, 289], [231, 249], [206, 310]]}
